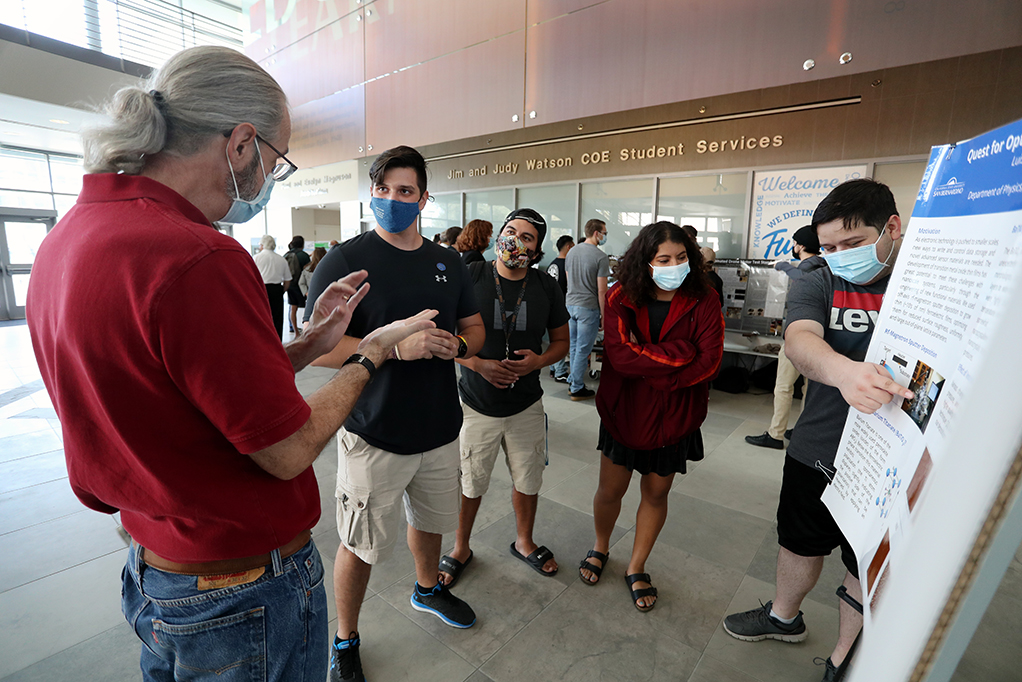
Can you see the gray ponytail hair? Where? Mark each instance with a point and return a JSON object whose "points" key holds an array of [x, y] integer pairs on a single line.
{"points": [[199, 93]]}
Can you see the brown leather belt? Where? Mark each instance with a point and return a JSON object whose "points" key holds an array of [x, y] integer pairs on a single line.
{"points": [[227, 565]]}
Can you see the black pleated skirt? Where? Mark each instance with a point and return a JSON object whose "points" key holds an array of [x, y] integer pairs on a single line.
{"points": [[663, 461]]}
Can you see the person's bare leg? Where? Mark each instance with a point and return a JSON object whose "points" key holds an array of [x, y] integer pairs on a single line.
{"points": [[525, 520], [351, 576], [850, 620], [466, 519], [796, 576], [426, 552], [649, 521], [614, 480]]}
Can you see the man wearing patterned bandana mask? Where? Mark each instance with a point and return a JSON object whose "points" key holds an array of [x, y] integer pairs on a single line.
{"points": [[500, 388]]}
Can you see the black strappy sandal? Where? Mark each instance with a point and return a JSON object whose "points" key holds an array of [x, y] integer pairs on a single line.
{"points": [[641, 592], [597, 570]]}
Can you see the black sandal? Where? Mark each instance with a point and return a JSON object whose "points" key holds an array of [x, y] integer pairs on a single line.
{"points": [[641, 592], [536, 560], [453, 567], [596, 570]]}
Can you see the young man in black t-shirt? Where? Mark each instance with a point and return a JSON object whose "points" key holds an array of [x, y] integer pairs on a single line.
{"points": [[500, 386], [832, 312], [559, 371], [556, 268], [400, 443]]}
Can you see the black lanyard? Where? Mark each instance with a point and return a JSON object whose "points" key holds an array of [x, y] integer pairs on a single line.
{"points": [[508, 328]]}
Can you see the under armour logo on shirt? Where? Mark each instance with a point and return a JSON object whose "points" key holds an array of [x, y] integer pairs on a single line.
{"points": [[441, 278]]}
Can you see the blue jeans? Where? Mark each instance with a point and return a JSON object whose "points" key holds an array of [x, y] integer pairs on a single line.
{"points": [[274, 628], [583, 325]]}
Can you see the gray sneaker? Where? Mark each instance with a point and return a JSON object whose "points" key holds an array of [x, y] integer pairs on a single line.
{"points": [[756, 625]]}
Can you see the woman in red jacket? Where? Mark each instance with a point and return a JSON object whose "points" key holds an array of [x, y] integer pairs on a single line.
{"points": [[663, 341]]}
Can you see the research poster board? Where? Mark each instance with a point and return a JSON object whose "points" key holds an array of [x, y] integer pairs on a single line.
{"points": [[755, 295], [783, 201], [951, 299]]}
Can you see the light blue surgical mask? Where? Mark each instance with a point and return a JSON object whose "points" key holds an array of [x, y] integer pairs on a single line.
{"points": [[670, 277], [858, 265], [602, 240], [392, 215], [243, 210]]}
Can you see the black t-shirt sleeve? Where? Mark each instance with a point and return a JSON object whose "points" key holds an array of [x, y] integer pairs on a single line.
{"points": [[467, 305], [333, 267], [477, 270], [808, 299], [558, 311]]}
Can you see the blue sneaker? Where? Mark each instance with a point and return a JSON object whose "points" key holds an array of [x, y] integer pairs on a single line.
{"points": [[345, 660], [441, 603]]}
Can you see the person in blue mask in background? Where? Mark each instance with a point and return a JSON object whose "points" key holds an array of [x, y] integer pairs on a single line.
{"points": [[400, 444], [663, 342], [832, 313]]}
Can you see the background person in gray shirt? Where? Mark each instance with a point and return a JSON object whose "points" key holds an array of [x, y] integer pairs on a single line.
{"points": [[588, 268]]}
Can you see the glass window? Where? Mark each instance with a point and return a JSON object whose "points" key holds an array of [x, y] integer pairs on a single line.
{"points": [[625, 206], [556, 204], [904, 180], [23, 240], [62, 20], [441, 212], [713, 204], [26, 200], [24, 170], [493, 206], [62, 203], [20, 283], [66, 172]]}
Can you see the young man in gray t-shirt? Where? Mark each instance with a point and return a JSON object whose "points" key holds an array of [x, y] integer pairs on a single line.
{"points": [[831, 317], [587, 268]]}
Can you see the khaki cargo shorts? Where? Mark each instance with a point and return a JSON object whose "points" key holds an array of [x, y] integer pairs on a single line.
{"points": [[372, 484], [522, 437]]}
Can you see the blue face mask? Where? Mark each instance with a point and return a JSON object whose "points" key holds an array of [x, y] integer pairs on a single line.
{"points": [[602, 240], [670, 277], [394, 216], [243, 210], [858, 265]]}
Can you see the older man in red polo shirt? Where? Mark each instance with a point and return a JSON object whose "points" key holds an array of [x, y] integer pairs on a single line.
{"points": [[196, 433]]}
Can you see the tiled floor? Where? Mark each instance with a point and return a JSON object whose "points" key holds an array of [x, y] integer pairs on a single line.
{"points": [[60, 566]]}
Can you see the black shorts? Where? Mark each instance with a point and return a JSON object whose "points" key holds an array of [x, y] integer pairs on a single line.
{"points": [[295, 296], [804, 524]]}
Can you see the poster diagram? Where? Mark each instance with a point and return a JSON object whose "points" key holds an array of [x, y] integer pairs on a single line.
{"points": [[946, 299]]}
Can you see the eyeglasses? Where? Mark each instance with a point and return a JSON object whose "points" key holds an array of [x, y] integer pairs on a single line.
{"points": [[280, 172]]}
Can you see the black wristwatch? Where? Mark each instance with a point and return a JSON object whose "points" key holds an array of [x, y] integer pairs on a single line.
{"points": [[462, 347], [360, 359]]}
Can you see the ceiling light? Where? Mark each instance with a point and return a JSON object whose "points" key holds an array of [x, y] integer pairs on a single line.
{"points": [[808, 64], [845, 58], [60, 120]]}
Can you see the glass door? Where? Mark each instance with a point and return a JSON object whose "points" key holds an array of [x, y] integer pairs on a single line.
{"points": [[21, 233]]}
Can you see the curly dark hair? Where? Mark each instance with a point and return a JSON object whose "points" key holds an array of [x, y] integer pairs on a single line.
{"points": [[633, 271], [475, 236]]}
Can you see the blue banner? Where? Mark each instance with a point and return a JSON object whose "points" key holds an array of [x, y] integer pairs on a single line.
{"points": [[979, 176]]}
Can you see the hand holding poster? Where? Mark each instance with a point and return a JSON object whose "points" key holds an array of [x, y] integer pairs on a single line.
{"points": [[941, 333]]}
